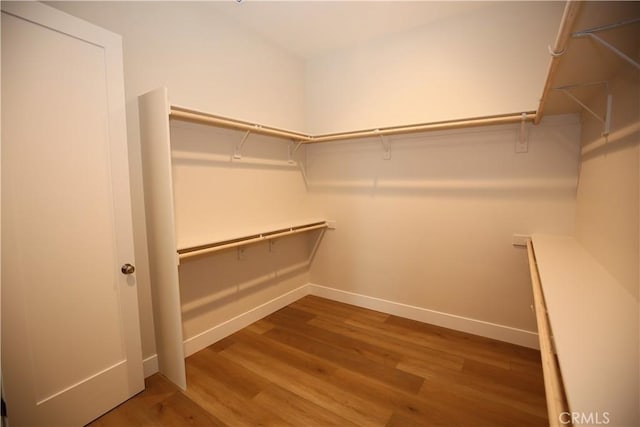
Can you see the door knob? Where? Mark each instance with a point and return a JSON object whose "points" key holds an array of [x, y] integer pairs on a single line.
{"points": [[127, 269]]}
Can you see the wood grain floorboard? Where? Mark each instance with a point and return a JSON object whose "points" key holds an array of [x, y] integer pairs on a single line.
{"points": [[323, 363]]}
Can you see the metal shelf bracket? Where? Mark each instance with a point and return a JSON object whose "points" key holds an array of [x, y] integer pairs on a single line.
{"points": [[522, 143], [386, 147], [237, 151], [293, 150], [606, 120], [591, 33]]}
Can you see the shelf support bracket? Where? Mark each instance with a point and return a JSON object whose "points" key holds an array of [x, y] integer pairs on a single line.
{"points": [[293, 150], [386, 147], [612, 48], [522, 144], [591, 33], [237, 151], [606, 120]]}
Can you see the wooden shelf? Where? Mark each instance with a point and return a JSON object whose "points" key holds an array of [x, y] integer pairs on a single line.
{"points": [[188, 115], [553, 386], [249, 238], [594, 323], [581, 60], [184, 114]]}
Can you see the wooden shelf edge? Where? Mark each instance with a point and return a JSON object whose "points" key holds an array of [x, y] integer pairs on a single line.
{"points": [[270, 234], [554, 389], [188, 115]]}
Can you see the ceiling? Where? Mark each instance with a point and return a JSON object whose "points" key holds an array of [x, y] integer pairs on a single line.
{"points": [[312, 28]]}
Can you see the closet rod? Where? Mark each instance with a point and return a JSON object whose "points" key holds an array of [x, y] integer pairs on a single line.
{"points": [[247, 240], [184, 114], [571, 9], [425, 127]]}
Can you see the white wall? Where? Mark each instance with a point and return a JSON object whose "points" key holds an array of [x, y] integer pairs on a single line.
{"points": [[207, 63], [218, 198], [433, 226], [608, 205], [455, 68]]}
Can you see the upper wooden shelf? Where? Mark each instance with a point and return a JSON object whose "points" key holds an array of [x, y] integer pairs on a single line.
{"points": [[189, 115], [586, 61]]}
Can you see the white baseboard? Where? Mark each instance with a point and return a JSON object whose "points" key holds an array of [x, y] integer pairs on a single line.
{"points": [[216, 333], [150, 365], [451, 321]]}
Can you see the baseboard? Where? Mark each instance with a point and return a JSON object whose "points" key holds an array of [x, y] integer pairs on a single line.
{"points": [[216, 333], [451, 321], [150, 365]]}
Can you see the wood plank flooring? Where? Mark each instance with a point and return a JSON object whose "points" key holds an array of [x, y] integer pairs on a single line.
{"points": [[318, 362]]}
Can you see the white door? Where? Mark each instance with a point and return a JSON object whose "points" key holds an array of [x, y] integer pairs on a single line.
{"points": [[70, 330]]}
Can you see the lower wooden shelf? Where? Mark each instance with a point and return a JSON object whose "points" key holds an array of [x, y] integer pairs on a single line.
{"points": [[554, 389], [594, 324], [249, 239]]}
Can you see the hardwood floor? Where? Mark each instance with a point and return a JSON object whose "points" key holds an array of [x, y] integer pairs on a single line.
{"points": [[320, 363]]}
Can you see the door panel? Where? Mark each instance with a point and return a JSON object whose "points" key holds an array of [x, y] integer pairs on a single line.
{"points": [[70, 332]]}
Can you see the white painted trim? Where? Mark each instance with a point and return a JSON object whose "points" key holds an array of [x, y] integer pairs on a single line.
{"points": [[86, 381], [155, 146], [150, 365], [216, 333], [451, 321]]}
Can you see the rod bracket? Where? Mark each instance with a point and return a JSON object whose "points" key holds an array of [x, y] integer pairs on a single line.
{"points": [[522, 143], [554, 53], [606, 120], [386, 147], [237, 151], [293, 150], [298, 145]]}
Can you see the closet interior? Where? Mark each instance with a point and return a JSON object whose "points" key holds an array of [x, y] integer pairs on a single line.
{"points": [[275, 233]]}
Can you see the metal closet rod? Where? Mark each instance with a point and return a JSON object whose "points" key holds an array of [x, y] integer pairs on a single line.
{"points": [[180, 113]]}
